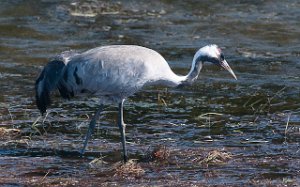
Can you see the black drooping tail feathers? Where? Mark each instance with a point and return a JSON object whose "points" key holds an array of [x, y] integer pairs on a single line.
{"points": [[48, 80]]}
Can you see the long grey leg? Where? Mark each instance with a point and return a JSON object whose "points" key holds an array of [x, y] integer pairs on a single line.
{"points": [[91, 128], [122, 127]]}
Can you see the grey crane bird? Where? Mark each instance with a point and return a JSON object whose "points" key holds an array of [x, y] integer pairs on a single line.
{"points": [[114, 73]]}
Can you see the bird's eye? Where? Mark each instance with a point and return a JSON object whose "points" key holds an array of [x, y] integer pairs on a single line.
{"points": [[222, 57]]}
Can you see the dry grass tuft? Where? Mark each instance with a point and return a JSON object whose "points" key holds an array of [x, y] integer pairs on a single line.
{"points": [[9, 133], [97, 163], [129, 169], [215, 157], [160, 153], [273, 182]]}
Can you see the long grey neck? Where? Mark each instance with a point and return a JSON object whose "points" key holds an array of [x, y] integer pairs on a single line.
{"points": [[193, 74]]}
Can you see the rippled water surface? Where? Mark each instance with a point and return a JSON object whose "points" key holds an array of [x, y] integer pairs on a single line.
{"points": [[255, 120]]}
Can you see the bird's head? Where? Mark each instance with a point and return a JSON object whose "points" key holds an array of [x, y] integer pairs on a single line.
{"points": [[213, 54]]}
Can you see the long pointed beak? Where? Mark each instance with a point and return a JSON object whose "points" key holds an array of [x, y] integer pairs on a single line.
{"points": [[226, 66]]}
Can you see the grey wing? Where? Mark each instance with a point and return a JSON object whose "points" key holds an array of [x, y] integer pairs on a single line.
{"points": [[104, 74]]}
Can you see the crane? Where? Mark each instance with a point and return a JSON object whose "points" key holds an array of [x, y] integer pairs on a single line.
{"points": [[114, 73]]}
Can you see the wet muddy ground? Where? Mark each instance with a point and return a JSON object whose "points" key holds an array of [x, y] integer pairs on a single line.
{"points": [[218, 132]]}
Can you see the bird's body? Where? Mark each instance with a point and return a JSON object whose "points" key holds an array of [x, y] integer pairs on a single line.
{"points": [[100, 71], [114, 73]]}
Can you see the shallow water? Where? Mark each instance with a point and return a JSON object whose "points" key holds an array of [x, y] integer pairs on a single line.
{"points": [[256, 119]]}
